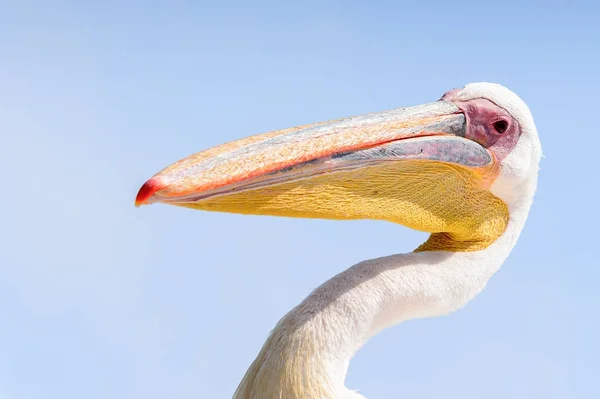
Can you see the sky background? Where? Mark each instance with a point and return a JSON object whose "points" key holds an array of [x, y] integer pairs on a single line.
{"points": [[101, 300]]}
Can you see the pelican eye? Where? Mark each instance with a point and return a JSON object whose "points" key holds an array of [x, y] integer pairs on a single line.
{"points": [[501, 126]]}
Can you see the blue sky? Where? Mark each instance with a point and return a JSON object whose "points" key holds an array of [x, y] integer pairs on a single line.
{"points": [[101, 300]]}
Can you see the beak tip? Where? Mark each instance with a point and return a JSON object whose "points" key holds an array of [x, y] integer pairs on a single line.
{"points": [[148, 190]]}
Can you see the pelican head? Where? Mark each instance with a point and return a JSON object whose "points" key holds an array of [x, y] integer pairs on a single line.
{"points": [[463, 168], [451, 167]]}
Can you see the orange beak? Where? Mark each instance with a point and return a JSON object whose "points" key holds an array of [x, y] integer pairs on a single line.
{"points": [[411, 166]]}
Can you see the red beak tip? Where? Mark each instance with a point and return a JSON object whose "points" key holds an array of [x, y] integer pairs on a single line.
{"points": [[149, 188]]}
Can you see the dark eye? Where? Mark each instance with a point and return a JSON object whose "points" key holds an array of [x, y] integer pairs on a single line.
{"points": [[501, 126]]}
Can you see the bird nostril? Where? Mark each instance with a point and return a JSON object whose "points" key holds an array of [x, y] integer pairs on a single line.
{"points": [[501, 126]]}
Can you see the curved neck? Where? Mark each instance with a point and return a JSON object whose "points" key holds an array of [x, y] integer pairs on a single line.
{"points": [[308, 353]]}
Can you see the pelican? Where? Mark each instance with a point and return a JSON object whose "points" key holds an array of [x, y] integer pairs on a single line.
{"points": [[463, 168]]}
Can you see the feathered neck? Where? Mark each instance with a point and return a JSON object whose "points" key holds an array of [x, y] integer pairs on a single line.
{"points": [[308, 353]]}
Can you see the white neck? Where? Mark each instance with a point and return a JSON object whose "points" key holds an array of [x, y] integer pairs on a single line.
{"points": [[309, 351]]}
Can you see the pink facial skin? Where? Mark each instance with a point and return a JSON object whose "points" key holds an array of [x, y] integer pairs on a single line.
{"points": [[488, 124]]}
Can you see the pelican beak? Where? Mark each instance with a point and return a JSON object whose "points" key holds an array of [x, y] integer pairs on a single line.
{"points": [[407, 165]]}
